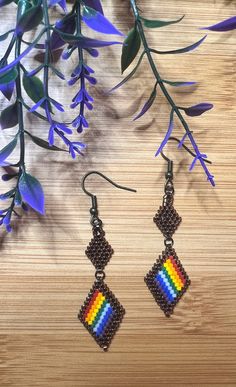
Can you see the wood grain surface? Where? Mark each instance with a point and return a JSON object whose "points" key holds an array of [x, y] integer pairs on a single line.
{"points": [[45, 275]]}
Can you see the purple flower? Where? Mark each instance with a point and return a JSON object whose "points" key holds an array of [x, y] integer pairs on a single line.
{"points": [[73, 146], [44, 101], [56, 125], [92, 51], [225, 25], [82, 73], [80, 122], [57, 105], [197, 110]]}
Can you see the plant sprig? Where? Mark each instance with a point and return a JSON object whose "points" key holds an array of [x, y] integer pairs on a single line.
{"points": [[67, 31], [137, 37]]}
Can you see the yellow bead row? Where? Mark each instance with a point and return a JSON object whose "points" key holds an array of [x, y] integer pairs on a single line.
{"points": [[173, 274], [95, 308]]}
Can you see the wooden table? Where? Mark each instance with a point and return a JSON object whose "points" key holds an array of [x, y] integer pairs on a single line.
{"points": [[45, 275]]}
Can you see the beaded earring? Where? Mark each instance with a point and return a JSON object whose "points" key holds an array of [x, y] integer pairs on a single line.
{"points": [[101, 313], [167, 280]]}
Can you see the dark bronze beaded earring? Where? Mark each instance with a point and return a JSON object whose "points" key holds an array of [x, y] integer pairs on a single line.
{"points": [[167, 280], [101, 313]]}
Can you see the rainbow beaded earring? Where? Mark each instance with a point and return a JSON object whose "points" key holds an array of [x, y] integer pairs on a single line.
{"points": [[101, 313], [167, 280]]}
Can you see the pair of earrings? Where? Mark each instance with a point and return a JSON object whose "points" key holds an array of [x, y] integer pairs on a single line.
{"points": [[102, 313]]}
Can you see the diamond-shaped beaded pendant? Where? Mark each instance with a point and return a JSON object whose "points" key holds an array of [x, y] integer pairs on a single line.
{"points": [[99, 251], [101, 314], [167, 281], [167, 220]]}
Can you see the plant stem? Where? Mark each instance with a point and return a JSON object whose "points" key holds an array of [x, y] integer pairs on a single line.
{"points": [[47, 47], [20, 109], [80, 52], [165, 91]]}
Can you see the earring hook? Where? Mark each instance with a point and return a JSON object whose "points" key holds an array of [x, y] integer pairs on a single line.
{"points": [[93, 197]]}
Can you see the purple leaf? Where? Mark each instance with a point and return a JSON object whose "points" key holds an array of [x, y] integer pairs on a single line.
{"points": [[7, 150], [84, 41], [196, 158], [182, 50], [96, 21], [168, 134], [181, 143], [7, 89], [95, 4], [29, 17], [5, 2], [67, 25], [148, 104], [225, 25], [197, 110], [178, 83], [61, 3], [32, 192], [91, 43], [37, 105], [18, 59]]}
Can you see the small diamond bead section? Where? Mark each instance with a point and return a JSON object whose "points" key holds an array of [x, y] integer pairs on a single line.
{"points": [[167, 220], [167, 281], [99, 251], [101, 314]]}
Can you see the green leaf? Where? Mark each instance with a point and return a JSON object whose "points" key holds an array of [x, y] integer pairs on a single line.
{"points": [[22, 7], [130, 48], [9, 117], [33, 87], [30, 17], [5, 36], [44, 144], [9, 76], [7, 150], [129, 76], [181, 50], [159, 23]]}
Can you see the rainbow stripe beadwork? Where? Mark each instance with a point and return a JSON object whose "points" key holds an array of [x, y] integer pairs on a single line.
{"points": [[101, 314], [98, 313], [167, 281]]}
